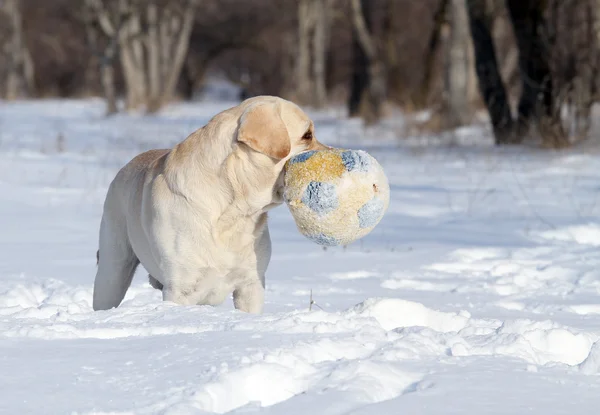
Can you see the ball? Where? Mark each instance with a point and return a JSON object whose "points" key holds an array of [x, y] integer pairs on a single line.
{"points": [[335, 196]]}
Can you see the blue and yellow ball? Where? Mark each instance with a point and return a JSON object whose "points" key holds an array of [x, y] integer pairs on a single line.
{"points": [[336, 196]]}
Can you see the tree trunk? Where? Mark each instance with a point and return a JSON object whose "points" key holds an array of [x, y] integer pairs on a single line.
{"points": [[107, 76], [422, 96], [369, 88], [319, 48], [595, 16], [537, 100], [457, 111], [108, 86], [490, 82], [188, 80], [289, 66], [313, 39], [28, 72], [105, 59], [154, 51], [473, 91], [15, 82], [376, 93], [303, 76], [181, 44], [133, 62], [152, 45], [360, 77], [585, 46], [133, 89]]}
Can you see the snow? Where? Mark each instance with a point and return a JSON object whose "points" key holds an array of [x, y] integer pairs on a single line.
{"points": [[478, 292]]}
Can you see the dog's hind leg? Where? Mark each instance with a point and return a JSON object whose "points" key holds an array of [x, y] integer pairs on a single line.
{"points": [[116, 265], [154, 283]]}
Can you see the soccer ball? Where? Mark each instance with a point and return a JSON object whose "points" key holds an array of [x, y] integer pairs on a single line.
{"points": [[336, 196]]}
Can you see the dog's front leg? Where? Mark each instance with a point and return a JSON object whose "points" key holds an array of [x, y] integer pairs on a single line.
{"points": [[249, 297]]}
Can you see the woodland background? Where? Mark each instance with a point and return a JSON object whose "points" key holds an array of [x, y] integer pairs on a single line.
{"points": [[531, 65]]}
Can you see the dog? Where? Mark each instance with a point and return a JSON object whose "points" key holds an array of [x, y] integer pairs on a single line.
{"points": [[195, 216]]}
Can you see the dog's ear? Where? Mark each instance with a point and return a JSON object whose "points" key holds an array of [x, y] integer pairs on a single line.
{"points": [[262, 129]]}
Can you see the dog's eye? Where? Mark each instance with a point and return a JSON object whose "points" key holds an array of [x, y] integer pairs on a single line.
{"points": [[307, 136]]}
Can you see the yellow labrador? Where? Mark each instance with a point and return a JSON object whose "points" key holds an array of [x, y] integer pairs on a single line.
{"points": [[196, 216]]}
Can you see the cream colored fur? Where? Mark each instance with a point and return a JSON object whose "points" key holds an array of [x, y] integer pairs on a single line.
{"points": [[196, 216]]}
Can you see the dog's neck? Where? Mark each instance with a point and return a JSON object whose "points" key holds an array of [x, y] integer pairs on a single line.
{"points": [[252, 183], [255, 180], [244, 184]]}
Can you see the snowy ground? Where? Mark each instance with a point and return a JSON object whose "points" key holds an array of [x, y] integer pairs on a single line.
{"points": [[479, 292]]}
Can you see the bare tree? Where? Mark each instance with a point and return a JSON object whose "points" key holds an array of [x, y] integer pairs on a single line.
{"points": [[537, 102], [19, 73], [153, 38], [313, 36], [433, 43], [457, 111], [574, 62], [320, 46], [106, 54], [490, 82], [359, 80], [542, 87], [369, 87]]}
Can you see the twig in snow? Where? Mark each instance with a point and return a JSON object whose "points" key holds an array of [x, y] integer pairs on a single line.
{"points": [[312, 302]]}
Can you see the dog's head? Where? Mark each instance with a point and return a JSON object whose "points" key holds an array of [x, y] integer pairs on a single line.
{"points": [[276, 128], [270, 131]]}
